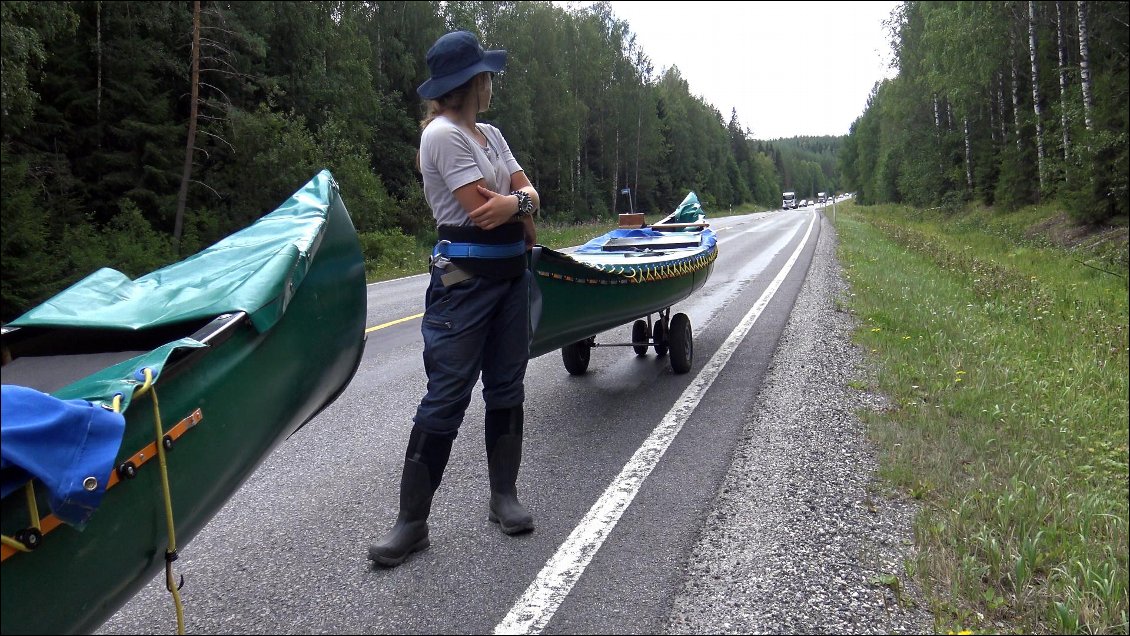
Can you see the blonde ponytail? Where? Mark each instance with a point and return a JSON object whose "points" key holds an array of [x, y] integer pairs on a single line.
{"points": [[452, 100]]}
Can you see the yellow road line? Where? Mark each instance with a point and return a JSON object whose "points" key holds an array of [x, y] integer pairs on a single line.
{"points": [[394, 322]]}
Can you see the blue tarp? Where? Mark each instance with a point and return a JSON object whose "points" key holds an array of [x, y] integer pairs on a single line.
{"points": [[69, 445], [689, 211], [596, 245]]}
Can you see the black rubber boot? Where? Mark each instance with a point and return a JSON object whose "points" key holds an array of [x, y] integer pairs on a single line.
{"points": [[504, 456], [424, 462]]}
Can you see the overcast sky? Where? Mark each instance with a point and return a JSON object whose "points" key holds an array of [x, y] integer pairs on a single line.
{"points": [[789, 68]]}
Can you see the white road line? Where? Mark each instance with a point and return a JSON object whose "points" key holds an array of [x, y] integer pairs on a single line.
{"points": [[393, 280], [545, 594]]}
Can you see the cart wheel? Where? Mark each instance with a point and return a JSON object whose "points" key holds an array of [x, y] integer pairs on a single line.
{"points": [[639, 334], [682, 346], [660, 336], [576, 357]]}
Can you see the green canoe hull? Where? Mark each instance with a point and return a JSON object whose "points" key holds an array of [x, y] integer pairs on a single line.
{"points": [[578, 302], [252, 387]]}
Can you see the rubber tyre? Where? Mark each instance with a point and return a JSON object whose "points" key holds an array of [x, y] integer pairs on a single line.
{"points": [[639, 334], [682, 344], [576, 357], [659, 335]]}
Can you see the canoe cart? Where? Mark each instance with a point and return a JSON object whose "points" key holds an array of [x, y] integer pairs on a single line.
{"points": [[631, 274], [244, 343]]}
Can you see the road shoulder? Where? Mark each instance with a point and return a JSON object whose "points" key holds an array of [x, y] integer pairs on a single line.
{"points": [[801, 537]]}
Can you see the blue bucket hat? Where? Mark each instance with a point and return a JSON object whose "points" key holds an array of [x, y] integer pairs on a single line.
{"points": [[456, 58]]}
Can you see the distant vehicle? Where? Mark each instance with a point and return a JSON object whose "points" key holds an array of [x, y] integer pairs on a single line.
{"points": [[788, 200], [822, 197], [804, 203]]}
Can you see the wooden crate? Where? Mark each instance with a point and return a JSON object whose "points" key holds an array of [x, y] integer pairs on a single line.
{"points": [[634, 220]]}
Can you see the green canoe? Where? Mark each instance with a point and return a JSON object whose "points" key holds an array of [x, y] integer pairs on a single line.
{"points": [[243, 343], [623, 276]]}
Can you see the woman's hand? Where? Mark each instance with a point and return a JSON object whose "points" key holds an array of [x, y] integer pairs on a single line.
{"points": [[498, 210]]}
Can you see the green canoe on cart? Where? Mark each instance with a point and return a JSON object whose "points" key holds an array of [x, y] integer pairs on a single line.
{"points": [[626, 275]]}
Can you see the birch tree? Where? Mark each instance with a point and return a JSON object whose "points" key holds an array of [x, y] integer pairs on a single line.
{"points": [[1036, 108], [1015, 99], [1085, 66], [1062, 52]]}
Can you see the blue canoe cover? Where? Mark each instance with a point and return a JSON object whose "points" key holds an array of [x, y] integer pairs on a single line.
{"points": [[689, 211], [596, 245], [60, 442]]}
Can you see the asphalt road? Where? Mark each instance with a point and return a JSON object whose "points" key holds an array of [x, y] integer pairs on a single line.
{"points": [[620, 469]]}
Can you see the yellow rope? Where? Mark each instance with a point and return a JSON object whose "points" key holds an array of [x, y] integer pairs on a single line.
{"points": [[32, 507], [12, 543], [33, 515], [170, 553], [148, 384], [633, 274]]}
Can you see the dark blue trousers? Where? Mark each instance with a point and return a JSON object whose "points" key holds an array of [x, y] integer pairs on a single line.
{"points": [[481, 325]]}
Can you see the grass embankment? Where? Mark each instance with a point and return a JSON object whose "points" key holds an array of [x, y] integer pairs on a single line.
{"points": [[1005, 359]]}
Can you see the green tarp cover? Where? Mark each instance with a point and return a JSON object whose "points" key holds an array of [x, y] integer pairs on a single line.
{"points": [[122, 378], [255, 270], [689, 211]]}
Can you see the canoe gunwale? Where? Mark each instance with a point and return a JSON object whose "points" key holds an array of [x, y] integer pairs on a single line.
{"points": [[580, 300]]}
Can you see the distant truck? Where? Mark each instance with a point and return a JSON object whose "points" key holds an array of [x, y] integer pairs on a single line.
{"points": [[788, 200], [822, 197]]}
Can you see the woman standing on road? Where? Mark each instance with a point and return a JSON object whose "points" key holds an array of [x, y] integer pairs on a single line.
{"points": [[476, 316]]}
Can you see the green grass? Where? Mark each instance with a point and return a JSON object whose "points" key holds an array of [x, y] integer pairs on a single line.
{"points": [[1006, 360]]}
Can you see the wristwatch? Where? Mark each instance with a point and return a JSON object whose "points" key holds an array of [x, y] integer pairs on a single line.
{"points": [[525, 204]]}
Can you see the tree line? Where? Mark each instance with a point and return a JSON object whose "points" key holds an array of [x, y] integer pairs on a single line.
{"points": [[1007, 103], [137, 133]]}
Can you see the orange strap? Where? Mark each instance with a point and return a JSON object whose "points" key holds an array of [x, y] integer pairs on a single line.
{"points": [[150, 451], [50, 522]]}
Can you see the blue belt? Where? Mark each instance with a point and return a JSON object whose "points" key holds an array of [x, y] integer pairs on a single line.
{"points": [[479, 250]]}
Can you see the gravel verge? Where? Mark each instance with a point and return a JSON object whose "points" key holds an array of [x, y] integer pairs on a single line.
{"points": [[800, 538]]}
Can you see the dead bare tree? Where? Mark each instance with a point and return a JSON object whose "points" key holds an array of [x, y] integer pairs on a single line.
{"points": [[186, 174]]}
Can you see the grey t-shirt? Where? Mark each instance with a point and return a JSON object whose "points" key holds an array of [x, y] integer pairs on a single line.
{"points": [[450, 158]]}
